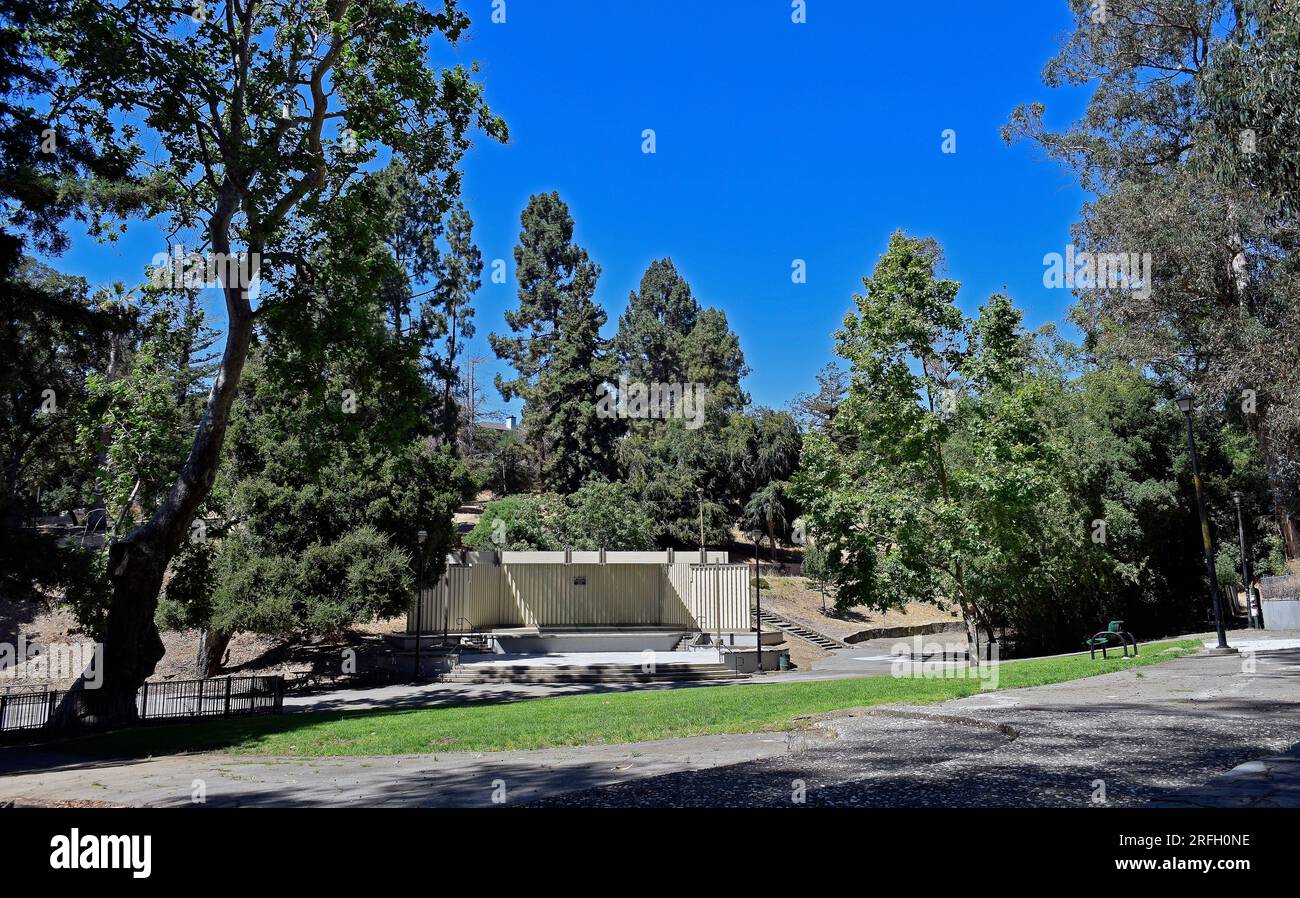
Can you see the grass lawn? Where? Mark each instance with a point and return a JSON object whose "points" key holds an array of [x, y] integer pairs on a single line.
{"points": [[584, 719]]}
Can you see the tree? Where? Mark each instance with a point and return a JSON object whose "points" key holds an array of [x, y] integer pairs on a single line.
{"points": [[666, 337], [334, 460], [138, 415], [458, 279], [769, 449], [817, 572], [654, 329], [817, 411], [766, 511], [1250, 87], [240, 108], [52, 336], [938, 500], [596, 516], [1190, 165], [557, 352]]}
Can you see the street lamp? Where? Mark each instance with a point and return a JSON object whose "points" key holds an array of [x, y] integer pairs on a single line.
{"points": [[1185, 403], [699, 491], [755, 536], [419, 596], [1245, 560]]}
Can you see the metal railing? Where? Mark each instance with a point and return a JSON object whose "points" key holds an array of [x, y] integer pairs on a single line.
{"points": [[162, 700]]}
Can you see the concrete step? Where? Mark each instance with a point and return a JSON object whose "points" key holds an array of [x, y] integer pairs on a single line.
{"points": [[801, 632], [551, 673]]}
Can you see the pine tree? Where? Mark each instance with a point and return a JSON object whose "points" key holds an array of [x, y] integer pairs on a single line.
{"points": [[557, 351], [652, 332], [816, 411]]}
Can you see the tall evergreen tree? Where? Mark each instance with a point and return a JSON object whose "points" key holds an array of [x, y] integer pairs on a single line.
{"points": [[665, 336], [652, 332], [559, 356], [816, 411]]}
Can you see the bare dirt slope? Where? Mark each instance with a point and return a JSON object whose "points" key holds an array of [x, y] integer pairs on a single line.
{"points": [[794, 597], [249, 654]]}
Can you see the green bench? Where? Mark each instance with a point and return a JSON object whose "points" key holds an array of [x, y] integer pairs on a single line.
{"points": [[1114, 636]]}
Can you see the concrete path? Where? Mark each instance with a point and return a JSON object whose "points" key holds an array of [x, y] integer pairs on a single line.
{"points": [[1165, 733], [1155, 735], [455, 779]]}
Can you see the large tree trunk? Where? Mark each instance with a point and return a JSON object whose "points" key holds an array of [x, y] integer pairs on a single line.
{"points": [[212, 651], [137, 562]]}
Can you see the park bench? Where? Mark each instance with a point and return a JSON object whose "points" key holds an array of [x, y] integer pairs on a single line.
{"points": [[1109, 638]]}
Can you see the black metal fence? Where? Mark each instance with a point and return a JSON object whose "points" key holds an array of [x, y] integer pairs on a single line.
{"points": [[163, 700]]}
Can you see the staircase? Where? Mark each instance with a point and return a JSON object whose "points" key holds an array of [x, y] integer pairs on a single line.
{"points": [[796, 629], [686, 643], [676, 672]]}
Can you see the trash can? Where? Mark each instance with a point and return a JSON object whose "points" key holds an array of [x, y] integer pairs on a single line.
{"points": [[783, 661]]}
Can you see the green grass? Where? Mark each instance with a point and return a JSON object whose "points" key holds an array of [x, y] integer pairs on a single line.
{"points": [[585, 719]]}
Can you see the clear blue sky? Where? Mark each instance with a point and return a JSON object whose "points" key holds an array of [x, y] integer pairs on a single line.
{"points": [[775, 141]]}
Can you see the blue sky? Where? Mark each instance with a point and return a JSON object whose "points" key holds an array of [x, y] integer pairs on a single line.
{"points": [[775, 141]]}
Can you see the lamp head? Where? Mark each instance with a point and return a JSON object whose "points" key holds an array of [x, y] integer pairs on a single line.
{"points": [[422, 536], [1184, 403]]}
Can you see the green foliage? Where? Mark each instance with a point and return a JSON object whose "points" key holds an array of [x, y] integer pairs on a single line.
{"points": [[596, 516], [951, 492], [334, 461], [519, 523], [665, 336], [1188, 147], [139, 414], [817, 569], [768, 512], [557, 351], [360, 576]]}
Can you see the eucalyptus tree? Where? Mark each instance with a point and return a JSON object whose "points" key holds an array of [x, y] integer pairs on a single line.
{"points": [[458, 278], [1188, 143], [259, 110]]}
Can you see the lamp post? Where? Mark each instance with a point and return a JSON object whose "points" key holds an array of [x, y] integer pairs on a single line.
{"points": [[1185, 403], [419, 596], [699, 491], [1245, 559]]}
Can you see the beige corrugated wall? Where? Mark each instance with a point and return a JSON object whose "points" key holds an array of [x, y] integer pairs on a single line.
{"points": [[720, 597], [691, 596]]}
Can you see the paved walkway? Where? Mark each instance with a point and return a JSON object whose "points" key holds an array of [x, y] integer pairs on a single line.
{"points": [[1152, 735], [1164, 734]]}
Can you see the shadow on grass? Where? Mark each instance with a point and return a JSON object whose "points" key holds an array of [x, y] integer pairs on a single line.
{"points": [[485, 724]]}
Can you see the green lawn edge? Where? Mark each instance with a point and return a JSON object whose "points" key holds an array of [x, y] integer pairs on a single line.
{"points": [[590, 719]]}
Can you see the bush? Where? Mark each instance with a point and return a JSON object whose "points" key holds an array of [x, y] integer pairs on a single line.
{"points": [[359, 577], [599, 515]]}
